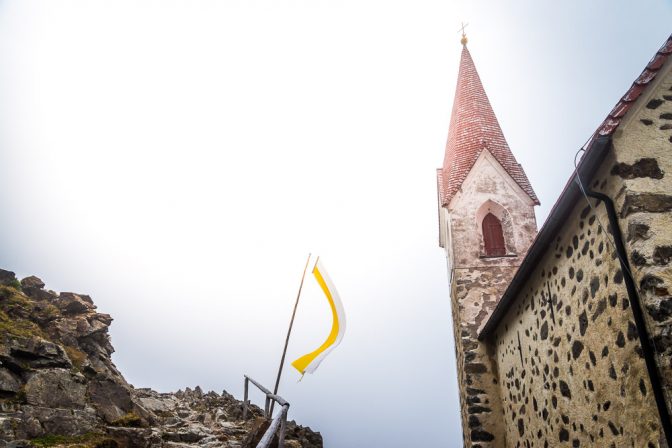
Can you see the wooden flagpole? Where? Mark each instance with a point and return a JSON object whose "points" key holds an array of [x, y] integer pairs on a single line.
{"points": [[289, 331]]}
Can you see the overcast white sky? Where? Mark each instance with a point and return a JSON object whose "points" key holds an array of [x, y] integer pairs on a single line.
{"points": [[178, 160]]}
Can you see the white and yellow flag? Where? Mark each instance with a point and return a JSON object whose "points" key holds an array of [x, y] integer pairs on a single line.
{"points": [[308, 363]]}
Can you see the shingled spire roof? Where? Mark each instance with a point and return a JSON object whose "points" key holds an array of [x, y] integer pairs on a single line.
{"points": [[474, 127]]}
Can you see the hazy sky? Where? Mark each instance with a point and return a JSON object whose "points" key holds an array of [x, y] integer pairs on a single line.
{"points": [[178, 160]]}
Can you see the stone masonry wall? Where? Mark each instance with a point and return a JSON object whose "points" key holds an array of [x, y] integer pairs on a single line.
{"points": [[477, 284], [568, 355], [475, 292], [640, 182]]}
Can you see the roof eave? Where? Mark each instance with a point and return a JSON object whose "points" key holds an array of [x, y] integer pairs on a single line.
{"points": [[595, 151]]}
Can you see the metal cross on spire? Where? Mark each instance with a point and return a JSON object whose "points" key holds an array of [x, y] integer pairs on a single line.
{"points": [[464, 36]]}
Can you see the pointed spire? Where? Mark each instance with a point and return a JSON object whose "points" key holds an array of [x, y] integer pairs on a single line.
{"points": [[474, 127]]}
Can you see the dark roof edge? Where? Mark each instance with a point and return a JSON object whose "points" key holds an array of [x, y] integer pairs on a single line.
{"points": [[565, 204], [595, 150]]}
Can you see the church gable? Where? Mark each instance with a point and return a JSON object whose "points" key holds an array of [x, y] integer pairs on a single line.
{"points": [[488, 176], [489, 189]]}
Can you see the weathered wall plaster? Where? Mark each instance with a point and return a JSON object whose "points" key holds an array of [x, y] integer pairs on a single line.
{"points": [[477, 283]]}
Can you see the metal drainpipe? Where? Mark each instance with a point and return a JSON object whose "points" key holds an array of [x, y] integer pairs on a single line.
{"points": [[647, 347]]}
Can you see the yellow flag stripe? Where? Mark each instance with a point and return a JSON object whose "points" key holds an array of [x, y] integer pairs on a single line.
{"points": [[308, 363]]}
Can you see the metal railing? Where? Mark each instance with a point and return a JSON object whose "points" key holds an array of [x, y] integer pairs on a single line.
{"points": [[279, 423]]}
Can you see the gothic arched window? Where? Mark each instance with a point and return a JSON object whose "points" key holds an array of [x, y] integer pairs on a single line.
{"points": [[493, 236]]}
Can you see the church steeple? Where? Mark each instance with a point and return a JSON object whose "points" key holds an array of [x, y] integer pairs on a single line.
{"points": [[486, 225], [474, 127]]}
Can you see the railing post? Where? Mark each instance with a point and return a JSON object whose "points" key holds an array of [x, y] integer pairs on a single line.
{"points": [[278, 425], [283, 427], [247, 385]]}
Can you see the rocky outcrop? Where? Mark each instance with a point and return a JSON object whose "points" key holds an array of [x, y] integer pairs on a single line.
{"points": [[59, 386]]}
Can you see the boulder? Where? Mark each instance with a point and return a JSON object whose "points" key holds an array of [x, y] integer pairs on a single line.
{"points": [[194, 432], [56, 388], [7, 278], [71, 303], [9, 383], [255, 432], [104, 318], [158, 405], [110, 399], [33, 352], [40, 294], [34, 287], [32, 282], [38, 421]]}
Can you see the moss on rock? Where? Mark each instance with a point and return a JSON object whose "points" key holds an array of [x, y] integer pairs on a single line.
{"points": [[90, 440]]}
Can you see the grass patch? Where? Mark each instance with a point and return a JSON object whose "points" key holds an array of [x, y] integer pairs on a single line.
{"points": [[51, 311], [89, 440], [76, 356], [45, 312], [15, 311], [130, 420], [14, 302], [20, 328], [15, 284]]}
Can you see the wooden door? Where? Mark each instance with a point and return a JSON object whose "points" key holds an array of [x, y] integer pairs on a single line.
{"points": [[493, 236]]}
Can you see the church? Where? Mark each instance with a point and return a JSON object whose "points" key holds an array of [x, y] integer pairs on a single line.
{"points": [[563, 335]]}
